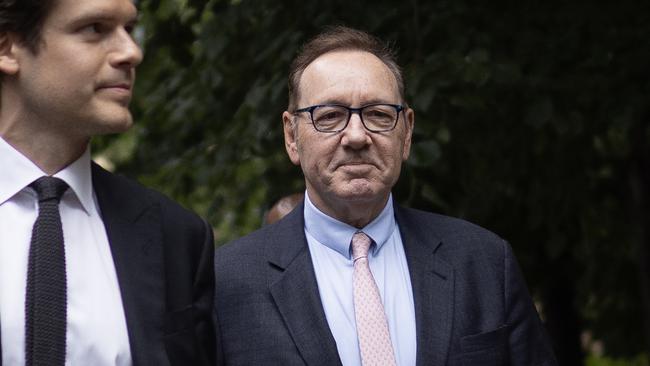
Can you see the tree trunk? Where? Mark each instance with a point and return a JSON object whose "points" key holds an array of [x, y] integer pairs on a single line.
{"points": [[563, 320], [638, 203], [639, 207]]}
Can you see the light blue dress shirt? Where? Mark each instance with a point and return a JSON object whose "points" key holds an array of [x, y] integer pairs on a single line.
{"points": [[329, 246]]}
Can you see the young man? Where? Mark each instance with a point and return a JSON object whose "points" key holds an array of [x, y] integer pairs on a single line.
{"points": [[349, 277], [94, 269]]}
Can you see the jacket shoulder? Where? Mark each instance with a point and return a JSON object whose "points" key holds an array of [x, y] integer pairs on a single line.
{"points": [[443, 227], [255, 242], [127, 193], [458, 239], [277, 243]]}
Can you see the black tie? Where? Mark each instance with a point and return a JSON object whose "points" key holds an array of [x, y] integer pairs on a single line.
{"points": [[45, 301]]}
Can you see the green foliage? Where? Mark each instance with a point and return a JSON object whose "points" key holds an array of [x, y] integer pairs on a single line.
{"points": [[528, 118], [641, 360]]}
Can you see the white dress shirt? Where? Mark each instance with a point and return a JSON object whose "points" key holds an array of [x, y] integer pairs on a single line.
{"points": [[96, 331], [329, 246]]}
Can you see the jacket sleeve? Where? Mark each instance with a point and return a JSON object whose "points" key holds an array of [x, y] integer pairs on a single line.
{"points": [[528, 342]]}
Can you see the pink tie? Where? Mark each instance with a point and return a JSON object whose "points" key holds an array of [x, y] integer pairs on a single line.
{"points": [[372, 327]]}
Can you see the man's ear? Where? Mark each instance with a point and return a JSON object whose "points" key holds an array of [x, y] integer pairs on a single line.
{"points": [[8, 60], [290, 138], [409, 119]]}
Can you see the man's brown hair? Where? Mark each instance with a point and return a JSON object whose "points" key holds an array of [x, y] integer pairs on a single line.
{"points": [[340, 38], [25, 18]]}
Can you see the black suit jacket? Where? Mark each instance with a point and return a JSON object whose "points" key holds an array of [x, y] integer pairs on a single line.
{"points": [[163, 259], [471, 303]]}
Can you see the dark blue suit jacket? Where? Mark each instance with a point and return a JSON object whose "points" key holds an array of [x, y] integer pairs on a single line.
{"points": [[163, 257], [472, 307]]}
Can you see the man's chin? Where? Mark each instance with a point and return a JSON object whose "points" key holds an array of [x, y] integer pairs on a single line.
{"points": [[359, 190], [112, 126]]}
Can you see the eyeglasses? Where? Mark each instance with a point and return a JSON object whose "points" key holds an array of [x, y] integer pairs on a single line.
{"points": [[335, 118]]}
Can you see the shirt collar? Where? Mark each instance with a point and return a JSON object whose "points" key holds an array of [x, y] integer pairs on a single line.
{"points": [[337, 235], [24, 172]]}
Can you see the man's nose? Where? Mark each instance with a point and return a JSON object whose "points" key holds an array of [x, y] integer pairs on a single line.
{"points": [[127, 52], [355, 135]]}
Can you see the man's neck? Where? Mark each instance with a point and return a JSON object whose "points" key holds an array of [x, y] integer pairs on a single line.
{"points": [[39, 138], [51, 152], [354, 213]]}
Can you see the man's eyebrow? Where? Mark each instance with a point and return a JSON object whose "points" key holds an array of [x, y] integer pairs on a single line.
{"points": [[102, 16], [333, 101], [378, 101], [365, 102]]}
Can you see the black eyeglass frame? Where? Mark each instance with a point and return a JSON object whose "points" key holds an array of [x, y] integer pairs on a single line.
{"points": [[398, 108]]}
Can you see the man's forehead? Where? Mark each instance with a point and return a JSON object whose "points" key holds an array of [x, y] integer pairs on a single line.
{"points": [[349, 59], [346, 70], [73, 9]]}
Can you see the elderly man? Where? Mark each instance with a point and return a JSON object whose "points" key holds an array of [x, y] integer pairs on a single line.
{"points": [[94, 269], [349, 277]]}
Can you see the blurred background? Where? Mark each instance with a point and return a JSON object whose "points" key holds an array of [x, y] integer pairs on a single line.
{"points": [[532, 120]]}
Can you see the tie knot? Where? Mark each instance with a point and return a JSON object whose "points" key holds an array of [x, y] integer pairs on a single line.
{"points": [[360, 245], [49, 188]]}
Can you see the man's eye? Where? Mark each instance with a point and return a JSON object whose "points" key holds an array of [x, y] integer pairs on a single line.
{"points": [[130, 26], [331, 115], [376, 114], [95, 28]]}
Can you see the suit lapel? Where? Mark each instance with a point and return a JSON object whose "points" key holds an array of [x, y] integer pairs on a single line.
{"points": [[293, 286], [133, 226], [432, 280]]}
